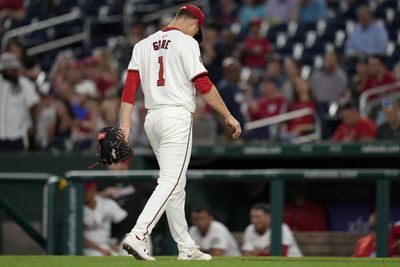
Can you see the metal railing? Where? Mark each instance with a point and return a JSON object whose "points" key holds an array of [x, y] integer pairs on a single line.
{"points": [[366, 103], [50, 181], [45, 24], [316, 135]]}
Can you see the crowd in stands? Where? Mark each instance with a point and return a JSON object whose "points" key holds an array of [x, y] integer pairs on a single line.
{"points": [[63, 108]]}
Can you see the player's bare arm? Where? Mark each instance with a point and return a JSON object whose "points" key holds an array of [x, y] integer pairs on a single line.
{"points": [[214, 99], [132, 83], [125, 118]]}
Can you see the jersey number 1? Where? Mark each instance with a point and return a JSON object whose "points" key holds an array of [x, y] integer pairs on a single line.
{"points": [[161, 81]]}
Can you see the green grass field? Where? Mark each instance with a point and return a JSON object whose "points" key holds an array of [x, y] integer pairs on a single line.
{"points": [[80, 261]]}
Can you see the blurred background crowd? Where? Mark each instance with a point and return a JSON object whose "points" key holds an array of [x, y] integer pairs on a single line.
{"points": [[266, 58]]}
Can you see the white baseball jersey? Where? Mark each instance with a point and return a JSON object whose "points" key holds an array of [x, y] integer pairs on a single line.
{"points": [[167, 62], [217, 237], [255, 242], [15, 107], [97, 221]]}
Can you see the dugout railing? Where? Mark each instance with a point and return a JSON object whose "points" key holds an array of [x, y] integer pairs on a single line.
{"points": [[73, 202], [50, 183]]}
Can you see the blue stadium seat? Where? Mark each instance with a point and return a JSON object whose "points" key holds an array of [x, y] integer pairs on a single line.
{"points": [[274, 31]]}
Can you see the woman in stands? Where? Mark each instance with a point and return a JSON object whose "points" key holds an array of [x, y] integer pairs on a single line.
{"points": [[302, 98]]}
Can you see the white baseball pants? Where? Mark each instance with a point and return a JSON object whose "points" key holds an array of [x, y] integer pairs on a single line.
{"points": [[169, 131]]}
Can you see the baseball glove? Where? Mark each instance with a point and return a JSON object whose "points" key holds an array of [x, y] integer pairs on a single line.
{"points": [[112, 147]]}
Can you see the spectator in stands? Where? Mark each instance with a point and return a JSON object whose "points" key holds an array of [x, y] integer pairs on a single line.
{"points": [[137, 32], [281, 11], [213, 52], [303, 98], [109, 109], [30, 66], [354, 128], [257, 236], [270, 103], [394, 240], [366, 245], [231, 92], [250, 10], [86, 132], [368, 37], [58, 74], [204, 124], [274, 69], [83, 90], [12, 9], [377, 73], [75, 74], [46, 116], [396, 71], [230, 43], [17, 106], [255, 47], [225, 13], [92, 71], [292, 73], [137, 133], [60, 130], [390, 130], [310, 11], [328, 86], [108, 66], [212, 236], [304, 214], [359, 79], [98, 215]]}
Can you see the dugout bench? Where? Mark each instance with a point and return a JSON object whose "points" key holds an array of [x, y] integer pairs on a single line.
{"points": [[73, 195]]}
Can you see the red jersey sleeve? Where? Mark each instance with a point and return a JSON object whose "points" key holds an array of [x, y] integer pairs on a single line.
{"points": [[132, 83]]}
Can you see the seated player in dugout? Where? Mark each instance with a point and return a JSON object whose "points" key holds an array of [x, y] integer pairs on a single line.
{"points": [[98, 215], [212, 236], [257, 236]]}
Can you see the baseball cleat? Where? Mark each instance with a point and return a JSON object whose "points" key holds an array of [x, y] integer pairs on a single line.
{"points": [[137, 248], [194, 254]]}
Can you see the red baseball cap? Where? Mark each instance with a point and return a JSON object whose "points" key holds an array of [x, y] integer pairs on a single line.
{"points": [[199, 15], [89, 186]]}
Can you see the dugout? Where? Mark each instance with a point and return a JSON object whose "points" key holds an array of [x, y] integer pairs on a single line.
{"points": [[223, 194]]}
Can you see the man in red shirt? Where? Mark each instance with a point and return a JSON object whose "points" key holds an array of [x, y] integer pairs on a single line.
{"points": [[270, 103], [378, 73], [255, 47], [394, 240], [304, 214], [354, 128], [366, 246], [13, 9]]}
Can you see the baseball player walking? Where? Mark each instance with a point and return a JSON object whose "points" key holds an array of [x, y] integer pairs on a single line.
{"points": [[168, 66]]}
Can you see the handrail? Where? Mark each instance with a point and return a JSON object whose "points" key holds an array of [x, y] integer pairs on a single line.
{"points": [[40, 25], [233, 174], [57, 43], [24, 176], [286, 117], [170, 10], [374, 91]]}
